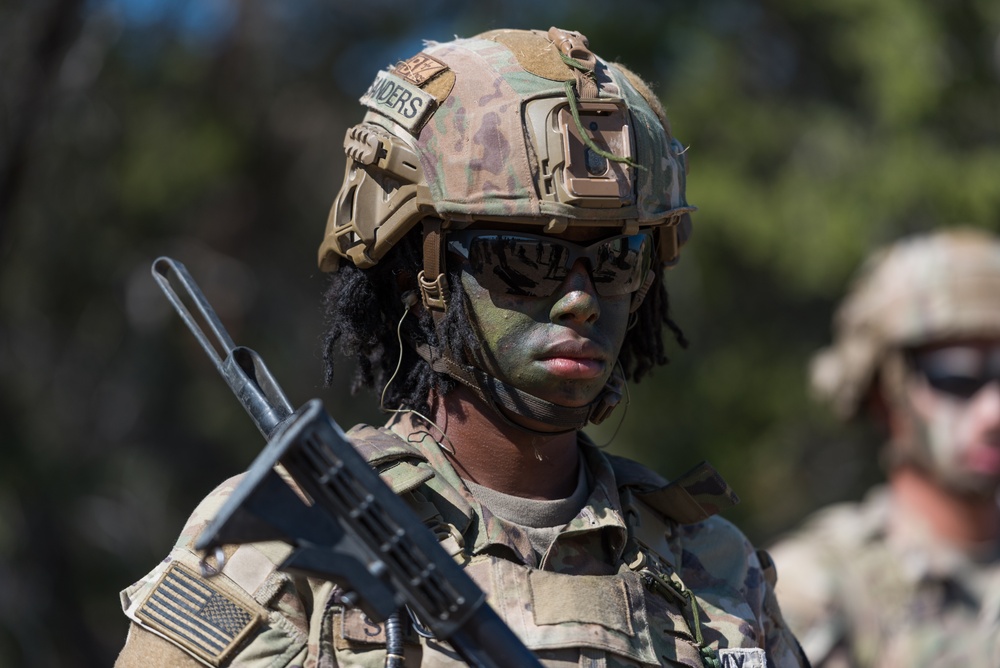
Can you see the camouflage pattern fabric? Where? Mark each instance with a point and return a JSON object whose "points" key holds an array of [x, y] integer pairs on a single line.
{"points": [[863, 586], [460, 112], [494, 174], [622, 585]]}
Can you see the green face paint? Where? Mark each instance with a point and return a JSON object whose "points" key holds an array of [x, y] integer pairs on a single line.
{"points": [[560, 348]]}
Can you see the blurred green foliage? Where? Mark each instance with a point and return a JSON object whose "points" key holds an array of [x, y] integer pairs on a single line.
{"points": [[211, 131]]}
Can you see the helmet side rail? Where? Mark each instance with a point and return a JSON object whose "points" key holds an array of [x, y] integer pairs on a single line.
{"points": [[350, 528]]}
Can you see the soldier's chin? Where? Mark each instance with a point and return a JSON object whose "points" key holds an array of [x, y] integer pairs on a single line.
{"points": [[973, 484], [963, 481]]}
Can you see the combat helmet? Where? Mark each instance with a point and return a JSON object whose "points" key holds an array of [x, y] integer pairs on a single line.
{"points": [[513, 126], [920, 290]]}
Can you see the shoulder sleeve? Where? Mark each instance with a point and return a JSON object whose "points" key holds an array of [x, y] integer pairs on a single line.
{"points": [[809, 564], [400, 464], [143, 649], [248, 610], [780, 643], [725, 570]]}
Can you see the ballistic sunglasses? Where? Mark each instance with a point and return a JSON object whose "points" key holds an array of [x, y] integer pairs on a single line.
{"points": [[530, 265], [959, 371]]}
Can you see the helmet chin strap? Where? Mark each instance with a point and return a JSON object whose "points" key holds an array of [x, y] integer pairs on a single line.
{"points": [[507, 400]]}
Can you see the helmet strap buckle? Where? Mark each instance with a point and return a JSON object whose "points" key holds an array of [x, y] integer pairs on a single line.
{"points": [[432, 280], [434, 292]]}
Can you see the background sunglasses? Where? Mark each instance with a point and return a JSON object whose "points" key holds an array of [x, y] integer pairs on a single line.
{"points": [[530, 265], [959, 371]]}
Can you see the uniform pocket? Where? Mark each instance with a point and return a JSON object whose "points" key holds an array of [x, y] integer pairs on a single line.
{"points": [[554, 611]]}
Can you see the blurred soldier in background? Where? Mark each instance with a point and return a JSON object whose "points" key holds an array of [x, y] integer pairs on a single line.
{"points": [[497, 249], [911, 575]]}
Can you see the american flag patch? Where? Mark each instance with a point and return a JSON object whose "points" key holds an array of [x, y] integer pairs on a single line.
{"points": [[196, 614]]}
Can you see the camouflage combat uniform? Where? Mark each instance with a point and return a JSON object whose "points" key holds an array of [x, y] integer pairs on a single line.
{"points": [[866, 585], [645, 575]]}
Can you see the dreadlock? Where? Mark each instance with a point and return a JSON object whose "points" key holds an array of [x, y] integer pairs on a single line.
{"points": [[643, 348], [364, 307]]}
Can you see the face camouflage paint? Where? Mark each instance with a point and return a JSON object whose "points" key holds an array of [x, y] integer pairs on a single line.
{"points": [[952, 398], [561, 348]]}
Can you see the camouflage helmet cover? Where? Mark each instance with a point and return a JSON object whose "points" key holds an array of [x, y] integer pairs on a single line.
{"points": [[510, 125], [923, 289]]}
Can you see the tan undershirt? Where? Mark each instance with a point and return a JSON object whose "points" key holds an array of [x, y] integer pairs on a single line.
{"points": [[540, 519]]}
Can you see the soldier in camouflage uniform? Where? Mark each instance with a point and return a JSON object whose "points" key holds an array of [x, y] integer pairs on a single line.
{"points": [[496, 255], [910, 576]]}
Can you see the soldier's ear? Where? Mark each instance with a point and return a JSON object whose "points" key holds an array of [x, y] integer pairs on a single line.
{"points": [[875, 405]]}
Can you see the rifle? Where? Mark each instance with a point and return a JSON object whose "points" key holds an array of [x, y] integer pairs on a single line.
{"points": [[355, 532]]}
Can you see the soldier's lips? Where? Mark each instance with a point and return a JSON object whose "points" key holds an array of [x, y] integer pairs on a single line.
{"points": [[573, 367], [574, 358], [984, 459]]}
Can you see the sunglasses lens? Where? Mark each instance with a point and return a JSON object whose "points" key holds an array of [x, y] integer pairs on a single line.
{"points": [[620, 265], [530, 266], [959, 371], [963, 387], [516, 266]]}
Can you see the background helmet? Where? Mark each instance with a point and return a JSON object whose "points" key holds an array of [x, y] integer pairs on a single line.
{"points": [[923, 289], [511, 125]]}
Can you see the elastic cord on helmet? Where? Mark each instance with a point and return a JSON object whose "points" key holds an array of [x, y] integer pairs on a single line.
{"points": [[585, 136]]}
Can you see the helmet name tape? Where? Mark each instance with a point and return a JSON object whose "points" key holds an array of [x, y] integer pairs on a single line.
{"points": [[399, 100]]}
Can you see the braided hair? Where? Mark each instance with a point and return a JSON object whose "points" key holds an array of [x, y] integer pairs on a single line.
{"points": [[364, 307]]}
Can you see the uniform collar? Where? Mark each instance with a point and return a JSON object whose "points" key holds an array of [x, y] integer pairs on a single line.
{"points": [[591, 543], [922, 557]]}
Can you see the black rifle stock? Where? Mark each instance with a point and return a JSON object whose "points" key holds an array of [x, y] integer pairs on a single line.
{"points": [[354, 531]]}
